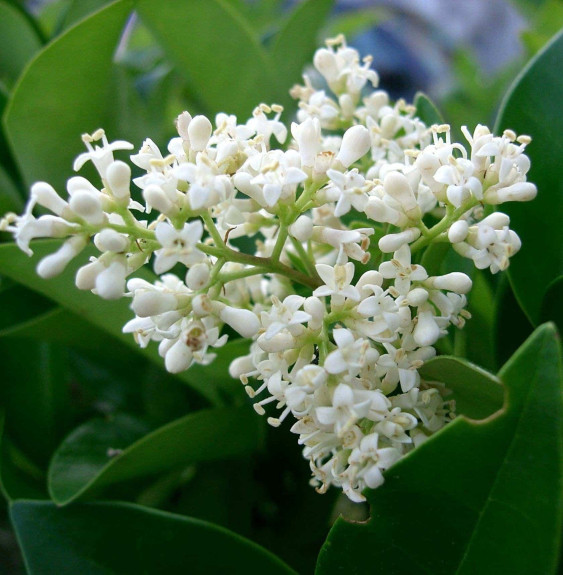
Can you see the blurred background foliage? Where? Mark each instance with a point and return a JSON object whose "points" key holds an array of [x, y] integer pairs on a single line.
{"points": [[62, 373]]}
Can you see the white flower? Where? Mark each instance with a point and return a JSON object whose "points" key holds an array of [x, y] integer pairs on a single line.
{"points": [[349, 355], [348, 190], [345, 410], [337, 281], [286, 315], [402, 271], [101, 157], [177, 245]]}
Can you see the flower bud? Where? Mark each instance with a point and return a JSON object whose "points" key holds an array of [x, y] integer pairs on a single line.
{"points": [[110, 284], [519, 192], [109, 240], [86, 275], [156, 198], [417, 296], [308, 138], [302, 228], [199, 132], [356, 142], [426, 331], [240, 366], [456, 281], [182, 123], [198, 276], [325, 62], [178, 358], [202, 305], [497, 221], [392, 242], [458, 231], [118, 176], [87, 206], [242, 321], [147, 303], [47, 197], [398, 187], [280, 342], [316, 309], [54, 264]]}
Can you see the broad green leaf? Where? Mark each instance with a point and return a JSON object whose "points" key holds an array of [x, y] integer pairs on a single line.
{"points": [[10, 198], [20, 305], [80, 9], [478, 330], [426, 110], [216, 49], [551, 304], [125, 539], [480, 497], [36, 395], [478, 393], [62, 94], [19, 477], [296, 42], [18, 43], [110, 316], [81, 465], [531, 107]]}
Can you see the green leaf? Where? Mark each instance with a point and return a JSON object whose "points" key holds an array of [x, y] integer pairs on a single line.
{"points": [[216, 49], [20, 305], [110, 316], [122, 539], [530, 107], [18, 43], [480, 496], [36, 395], [551, 304], [296, 42], [478, 393], [10, 198], [62, 94], [81, 466], [80, 9], [426, 110], [356, 21]]}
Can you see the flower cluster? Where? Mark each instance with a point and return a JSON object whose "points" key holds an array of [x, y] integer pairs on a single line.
{"points": [[276, 243]]}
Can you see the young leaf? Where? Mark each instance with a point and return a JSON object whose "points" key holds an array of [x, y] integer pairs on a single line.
{"points": [[216, 49], [121, 538], [531, 108], [62, 94], [82, 465], [480, 496]]}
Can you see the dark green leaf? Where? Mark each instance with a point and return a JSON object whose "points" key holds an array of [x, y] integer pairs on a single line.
{"points": [[426, 110], [80, 9], [356, 21], [62, 94], [82, 465], [551, 304], [36, 394], [477, 392], [480, 497], [296, 42], [122, 539], [18, 43], [19, 477], [20, 305], [530, 107], [216, 49], [110, 316], [10, 198]]}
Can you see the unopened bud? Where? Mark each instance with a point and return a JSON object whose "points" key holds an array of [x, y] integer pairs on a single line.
{"points": [[392, 242], [53, 264], [199, 131], [118, 176], [356, 142], [458, 231], [242, 321]]}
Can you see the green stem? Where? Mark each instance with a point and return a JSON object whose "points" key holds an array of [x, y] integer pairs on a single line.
{"points": [[444, 224], [269, 265], [212, 229], [280, 242], [305, 258]]}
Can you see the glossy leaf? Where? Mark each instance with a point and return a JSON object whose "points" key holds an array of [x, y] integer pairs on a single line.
{"points": [[480, 497], [62, 94], [120, 538], [296, 42], [18, 43], [531, 107], [216, 49], [82, 466], [109, 316], [477, 392]]}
